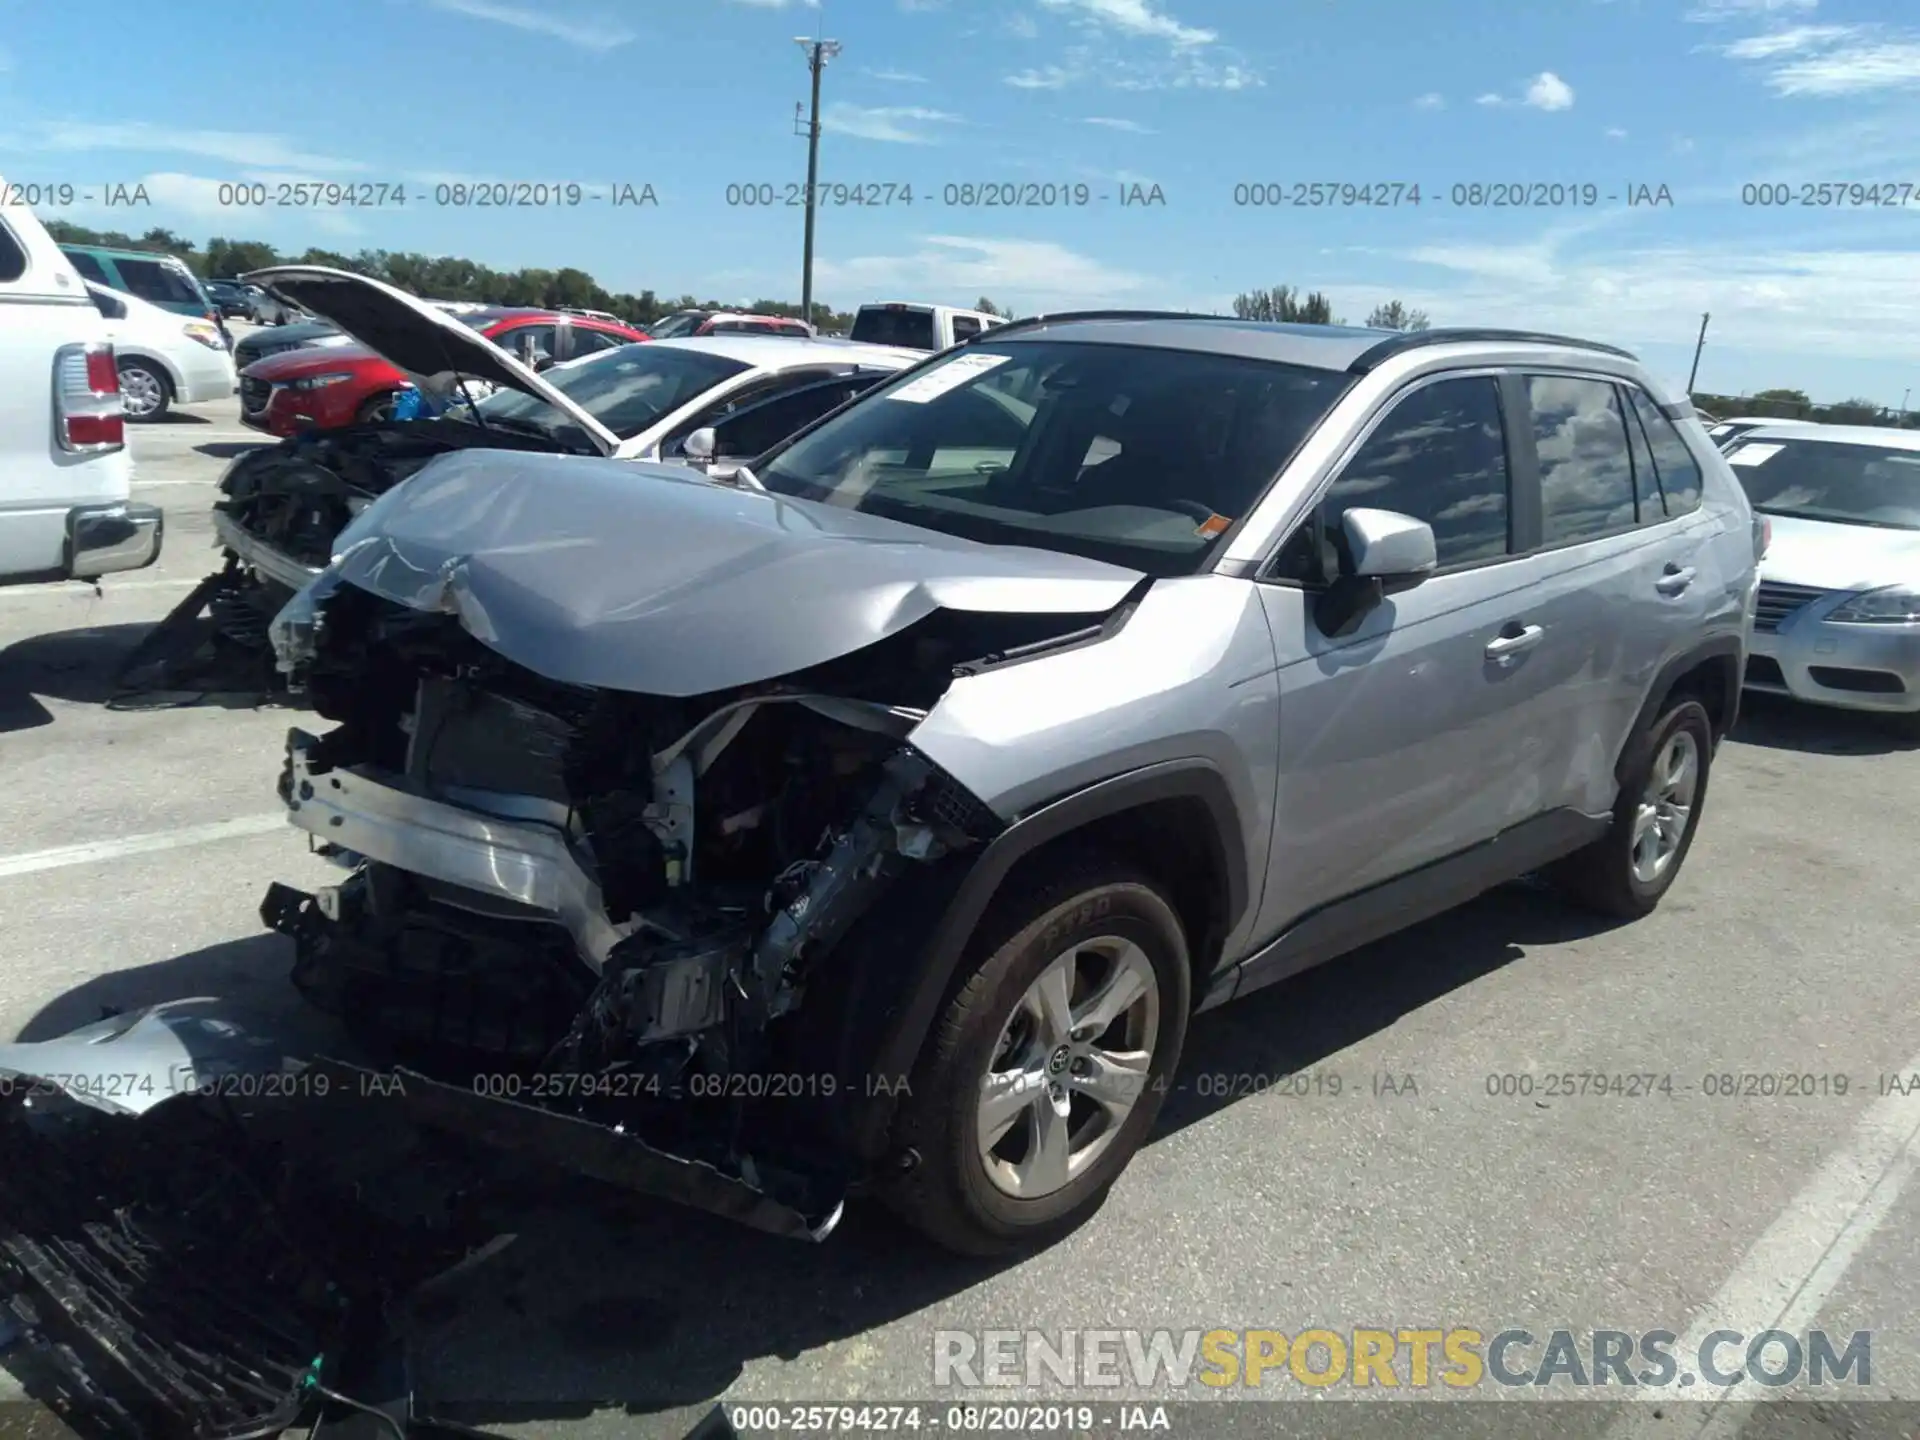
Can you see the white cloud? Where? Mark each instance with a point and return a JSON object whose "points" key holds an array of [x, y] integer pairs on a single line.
{"points": [[1136, 18], [1108, 122], [1614, 132], [1046, 77], [1432, 100], [195, 195], [586, 35], [1021, 26], [898, 124], [1787, 42], [1851, 69], [1032, 275], [900, 77], [237, 147], [1851, 302], [1547, 91], [1710, 11]]}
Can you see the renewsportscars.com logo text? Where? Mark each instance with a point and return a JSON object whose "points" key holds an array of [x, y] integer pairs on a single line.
{"points": [[1417, 1358]]}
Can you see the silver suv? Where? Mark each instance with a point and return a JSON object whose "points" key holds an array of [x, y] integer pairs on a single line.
{"points": [[880, 816]]}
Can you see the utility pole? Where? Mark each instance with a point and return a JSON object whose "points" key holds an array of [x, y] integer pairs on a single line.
{"points": [[1698, 346], [819, 52]]}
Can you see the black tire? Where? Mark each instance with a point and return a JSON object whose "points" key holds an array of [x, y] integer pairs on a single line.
{"points": [[1601, 875], [147, 375], [947, 1194]]}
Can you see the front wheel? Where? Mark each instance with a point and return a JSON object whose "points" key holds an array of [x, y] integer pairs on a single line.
{"points": [[1049, 1065], [1628, 869], [144, 392]]}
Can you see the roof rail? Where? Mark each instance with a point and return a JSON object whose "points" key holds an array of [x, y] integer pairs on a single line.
{"points": [[1028, 322], [1375, 355]]}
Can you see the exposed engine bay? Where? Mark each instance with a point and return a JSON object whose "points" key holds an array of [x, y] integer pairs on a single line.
{"points": [[280, 510], [664, 915]]}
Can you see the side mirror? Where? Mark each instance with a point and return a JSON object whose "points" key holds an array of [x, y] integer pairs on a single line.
{"points": [[699, 446], [1387, 545], [1386, 551]]}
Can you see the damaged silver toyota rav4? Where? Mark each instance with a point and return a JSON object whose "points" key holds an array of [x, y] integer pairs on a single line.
{"points": [[880, 817]]}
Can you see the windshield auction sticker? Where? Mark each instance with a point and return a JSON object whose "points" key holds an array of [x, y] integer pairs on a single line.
{"points": [[955, 373], [1753, 454]]}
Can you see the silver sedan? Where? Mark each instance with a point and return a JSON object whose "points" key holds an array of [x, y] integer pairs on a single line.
{"points": [[1838, 616]]}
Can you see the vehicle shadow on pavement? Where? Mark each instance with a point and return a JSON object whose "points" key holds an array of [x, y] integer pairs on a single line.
{"points": [[175, 416], [227, 449], [1252, 1044], [251, 971], [76, 665], [1778, 723]]}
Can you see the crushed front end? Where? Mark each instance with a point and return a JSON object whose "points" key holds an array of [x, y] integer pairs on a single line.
{"points": [[646, 937]]}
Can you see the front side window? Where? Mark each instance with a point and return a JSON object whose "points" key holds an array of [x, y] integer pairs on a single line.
{"points": [[1440, 456], [1586, 470], [1140, 456], [89, 267], [1877, 485], [1679, 472]]}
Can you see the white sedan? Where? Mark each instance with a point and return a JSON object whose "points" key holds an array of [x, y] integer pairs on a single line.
{"points": [[165, 358]]}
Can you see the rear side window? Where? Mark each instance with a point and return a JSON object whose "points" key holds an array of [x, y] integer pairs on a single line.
{"points": [[1440, 456], [592, 342], [13, 257], [1586, 472], [161, 283], [910, 329], [1678, 471], [965, 327]]}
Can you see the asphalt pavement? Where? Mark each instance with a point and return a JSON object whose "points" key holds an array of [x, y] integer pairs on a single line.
{"points": [[1450, 1182]]}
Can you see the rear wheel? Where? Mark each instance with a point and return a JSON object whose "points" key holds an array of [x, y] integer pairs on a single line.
{"points": [[144, 391], [1628, 869], [1049, 1065]]}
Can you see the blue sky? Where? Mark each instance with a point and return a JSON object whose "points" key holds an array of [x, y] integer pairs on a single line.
{"points": [[1703, 97]]}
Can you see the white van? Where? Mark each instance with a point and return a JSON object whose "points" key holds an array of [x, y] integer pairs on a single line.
{"points": [[919, 327], [64, 469]]}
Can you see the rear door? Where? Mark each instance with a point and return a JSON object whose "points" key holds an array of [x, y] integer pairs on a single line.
{"points": [[1612, 585]]}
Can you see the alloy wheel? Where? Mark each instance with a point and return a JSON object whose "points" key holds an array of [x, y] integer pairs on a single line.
{"points": [[1660, 823], [1069, 1067], [140, 393]]}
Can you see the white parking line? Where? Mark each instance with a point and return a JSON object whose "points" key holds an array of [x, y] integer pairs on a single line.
{"points": [[140, 484], [1795, 1266], [79, 591], [92, 851]]}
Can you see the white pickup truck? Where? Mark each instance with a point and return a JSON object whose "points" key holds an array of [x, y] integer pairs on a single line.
{"points": [[918, 327], [64, 469]]}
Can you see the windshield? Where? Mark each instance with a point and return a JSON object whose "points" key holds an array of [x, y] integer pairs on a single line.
{"points": [[882, 325], [627, 390], [1141, 457], [1820, 480], [672, 327]]}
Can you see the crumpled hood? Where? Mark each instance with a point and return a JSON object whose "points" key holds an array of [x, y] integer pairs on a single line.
{"points": [[634, 577], [1832, 556]]}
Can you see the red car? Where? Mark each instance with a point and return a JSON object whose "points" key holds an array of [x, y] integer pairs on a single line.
{"points": [[326, 386]]}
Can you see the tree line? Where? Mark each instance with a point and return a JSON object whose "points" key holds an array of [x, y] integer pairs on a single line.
{"points": [[438, 277]]}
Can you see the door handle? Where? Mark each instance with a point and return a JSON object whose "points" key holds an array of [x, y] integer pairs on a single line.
{"points": [[1512, 641], [1674, 580]]}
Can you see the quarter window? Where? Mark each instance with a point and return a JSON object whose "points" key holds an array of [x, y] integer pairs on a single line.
{"points": [[1646, 480], [1679, 472], [1586, 470], [1440, 456]]}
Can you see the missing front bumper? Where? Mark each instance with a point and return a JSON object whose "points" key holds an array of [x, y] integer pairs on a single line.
{"points": [[523, 862]]}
